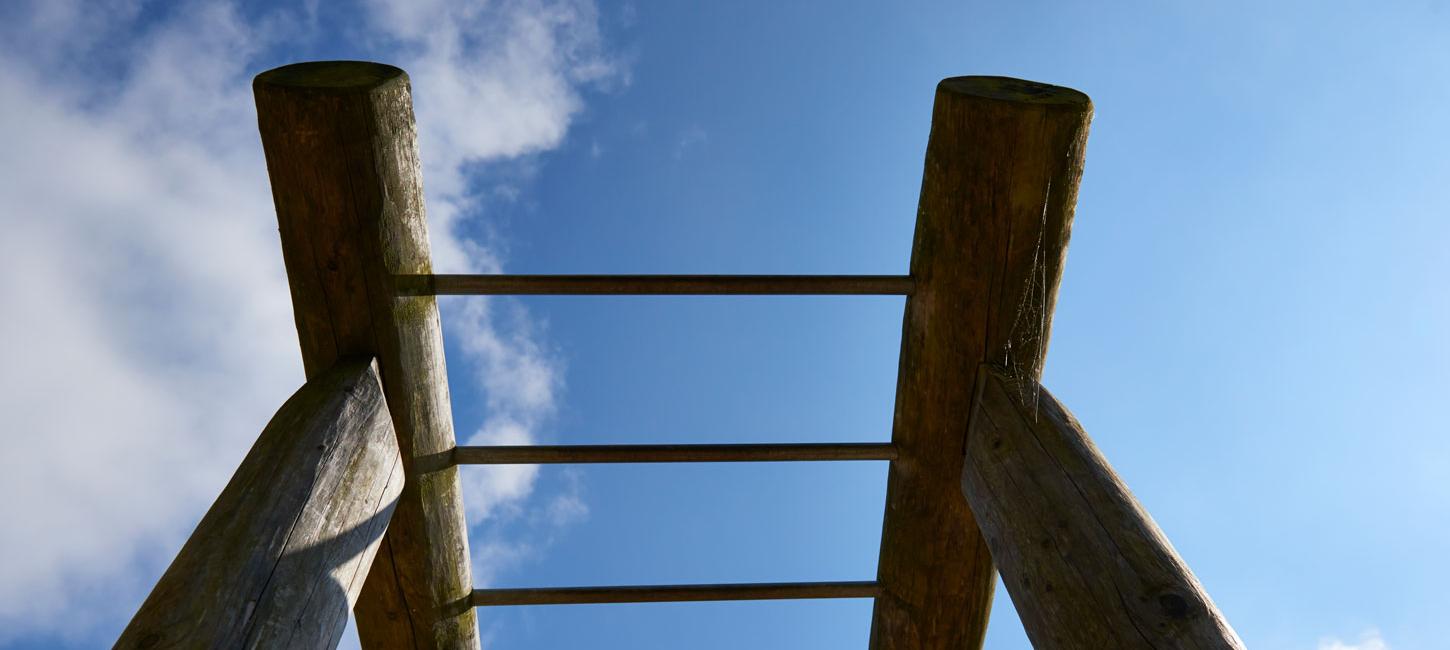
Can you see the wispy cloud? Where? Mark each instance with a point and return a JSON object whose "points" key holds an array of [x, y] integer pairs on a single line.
{"points": [[690, 138], [148, 328], [521, 536], [1368, 640], [503, 81]]}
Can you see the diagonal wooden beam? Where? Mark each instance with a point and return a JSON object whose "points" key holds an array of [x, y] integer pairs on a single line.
{"points": [[281, 555], [997, 196], [343, 160], [1085, 564]]}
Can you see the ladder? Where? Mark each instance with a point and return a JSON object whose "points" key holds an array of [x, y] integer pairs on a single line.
{"points": [[350, 501]]}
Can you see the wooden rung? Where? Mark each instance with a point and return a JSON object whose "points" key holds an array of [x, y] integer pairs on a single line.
{"points": [[731, 453], [481, 285], [672, 593]]}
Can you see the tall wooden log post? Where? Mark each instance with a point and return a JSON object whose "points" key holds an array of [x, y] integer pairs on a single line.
{"points": [[341, 151], [1084, 563], [280, 557], [1002, 168]]}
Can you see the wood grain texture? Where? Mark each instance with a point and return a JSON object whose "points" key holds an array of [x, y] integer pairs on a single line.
{"points": [[341, 152], [1084, 563], [279, 559], [1000, 183]]}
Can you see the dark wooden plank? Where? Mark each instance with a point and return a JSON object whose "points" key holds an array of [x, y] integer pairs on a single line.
{"points": [[728, 453], [672, 593], [1084, 563], [280, 557], [481, 285], [341, 151], [997, 195]]}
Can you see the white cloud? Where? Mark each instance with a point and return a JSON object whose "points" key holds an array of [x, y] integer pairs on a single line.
{"points": [[568, 508], [1368, 640], [148, 332], [147, 322], [516, 539], [502, 80]]}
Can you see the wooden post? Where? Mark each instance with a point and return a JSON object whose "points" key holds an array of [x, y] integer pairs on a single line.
{"points": [[1084, 563], [342, 155], [280, 557], [997, 195]]}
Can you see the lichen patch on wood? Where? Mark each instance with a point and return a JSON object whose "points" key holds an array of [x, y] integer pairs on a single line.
{"points": [[341, 149]]}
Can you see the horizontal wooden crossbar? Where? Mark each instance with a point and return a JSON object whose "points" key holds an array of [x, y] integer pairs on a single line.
{"points": [[481, 285], [730, 453], [673, 593]]}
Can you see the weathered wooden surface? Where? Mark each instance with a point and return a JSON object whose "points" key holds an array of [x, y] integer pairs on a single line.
{"points": [[280, 557], [1085, 564], [341, 152], [1000, 183]]}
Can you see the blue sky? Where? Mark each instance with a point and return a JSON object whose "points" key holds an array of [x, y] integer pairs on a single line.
{"points": [[1251, 323]]}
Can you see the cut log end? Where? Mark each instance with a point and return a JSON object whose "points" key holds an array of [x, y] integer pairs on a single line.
{"points": [[1020, 91], [341, 77]]}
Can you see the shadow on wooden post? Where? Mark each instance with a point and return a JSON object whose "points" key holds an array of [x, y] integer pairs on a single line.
{"points": [[342, 155], [279, 559], [1084, 563]]}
